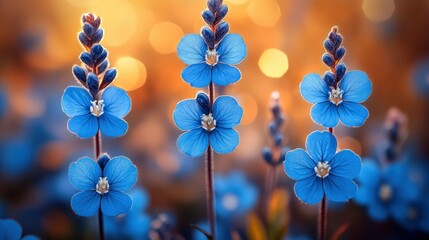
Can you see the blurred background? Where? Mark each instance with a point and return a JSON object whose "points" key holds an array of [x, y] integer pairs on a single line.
{"points": [[387, 39]]}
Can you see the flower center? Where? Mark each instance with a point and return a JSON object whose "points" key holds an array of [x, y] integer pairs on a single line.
{"points": [[230, 201], [102, 186], [97, 107], [208, 122], [212, 57], [322, 169], [336, 96], [385, 192]]}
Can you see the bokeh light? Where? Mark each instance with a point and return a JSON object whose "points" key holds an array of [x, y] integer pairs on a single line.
{"points": [[165, 36], [273, 63], [264, 13], [378, 10], [131, 73]]}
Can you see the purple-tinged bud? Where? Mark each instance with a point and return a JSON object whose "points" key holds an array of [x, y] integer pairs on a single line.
{"points": [[98, 36], [108, 78], [338, 40], [84, 40], [101, 57], [208, 17], [340, 71], [278, 139], [221, 31], [267, 154], [86, 58], [97, 23], [96, 50], [329, 46], [204, 102], [102, 67], [92, 81], [221, 13], [103, 160], [208, 37], [340, 53], [328, 60], [80, 74], [88, 29], [329, 78], [213, 5]]}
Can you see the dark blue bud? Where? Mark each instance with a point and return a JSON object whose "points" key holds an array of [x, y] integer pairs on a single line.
{"points": [[329, 46], [328, 60], [340, 70], [96, 50], [108, 78], [208, 37], [267, 154], [338, 40], [391, 152], [221, 31], [86, 58], [103, 160], [84, 18], [97, 23], [329, 78], [80, 74], [393, 132], [102, 57], [279, 120], [208, 17], [221, 13], [332, 36], [283, 153], [278, 139], [92, 81], [102, 67], [273, 127], [213, 5], [340, 53], [88, 29], [204, 101], [98, 36], [276, 110], [84, 40]]}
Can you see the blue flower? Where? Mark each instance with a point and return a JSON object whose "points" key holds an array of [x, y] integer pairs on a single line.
{"points": [[332, 104], [88, 115], [321, 171], [235, 196], [420, 77], [11, 230], [207, 65], [415, 216], [386, 192], [204, 127], [102, 184], [133, 225], [223, 231]]}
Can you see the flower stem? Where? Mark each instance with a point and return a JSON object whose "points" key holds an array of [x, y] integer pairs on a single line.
{"points": [[210, 180], [97, 152], [323, 220], [270, 181]]}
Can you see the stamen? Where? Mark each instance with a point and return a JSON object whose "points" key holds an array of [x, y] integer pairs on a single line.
{"points": [[385, 192], [97, 107], [322, 169], [230, 201], [102, 186], [212, 57], [208, 122], [336, 96]]}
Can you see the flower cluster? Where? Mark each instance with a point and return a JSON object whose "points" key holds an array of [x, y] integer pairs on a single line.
{"points": [[11, 230], [321, 171], [96, 107]]}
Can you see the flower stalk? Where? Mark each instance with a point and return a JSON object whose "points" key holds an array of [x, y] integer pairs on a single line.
{"points": [[210, 178]]}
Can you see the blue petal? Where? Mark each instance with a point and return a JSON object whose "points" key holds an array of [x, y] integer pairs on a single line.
{"points": [[224, 140], [187, 114], [10, 229], [313, 89], [121, 173], [86, 203], [84, 174], [197, 75], [298, 165], [227, 112], [232, 49], [378, 211], [339, 189], [138, 227], [370, 173], [321, 146], [112, 126], [140, 199], [352, 114], [114, 203], [325, 114], [345, 164], [193, 143], [356, 86], [76, 101], [30, 237], [84, 126], [224, 75], [192, 49], [309, 190], [116, 102]]}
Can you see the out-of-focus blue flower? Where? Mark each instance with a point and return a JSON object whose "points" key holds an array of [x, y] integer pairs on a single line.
{"points": [[3, 102], [321, 171], [204, 126], [386, 192], [235, 196], [88, 115], [11, 230], [223, 231], [102, 184], [17, 156], [415, 216], [341, 103], [133, 225], [421, 77]]}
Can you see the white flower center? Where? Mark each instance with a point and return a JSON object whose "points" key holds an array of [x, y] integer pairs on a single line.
{"points": [[212, 57], [208, 122], [336, 96], [322, 169], [97, 107], [230, 201], [102, 186], [385, 192]]}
